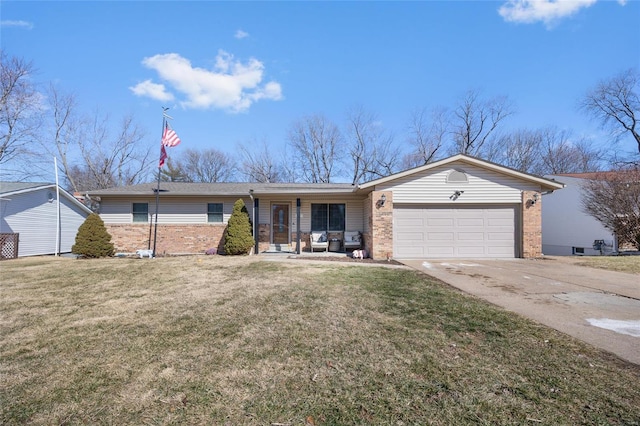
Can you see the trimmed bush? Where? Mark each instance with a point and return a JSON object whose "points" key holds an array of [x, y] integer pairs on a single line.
{"points": [[238, 238], [92, 239]]}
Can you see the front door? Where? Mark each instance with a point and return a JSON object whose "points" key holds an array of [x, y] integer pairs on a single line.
{"points": [[280, 223]]}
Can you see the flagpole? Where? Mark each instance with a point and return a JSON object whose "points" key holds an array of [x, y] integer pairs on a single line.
{"points": [[155, 231]]}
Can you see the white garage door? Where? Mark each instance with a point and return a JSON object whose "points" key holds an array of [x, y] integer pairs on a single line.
{"points": [[464, 232]]}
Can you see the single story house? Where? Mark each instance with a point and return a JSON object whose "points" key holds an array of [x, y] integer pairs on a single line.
{"points": [[459, 207], [44, 218], [566, 229]]}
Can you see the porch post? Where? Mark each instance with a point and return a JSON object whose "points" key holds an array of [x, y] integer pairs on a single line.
{"points": [[256, 224], [298, 250]]}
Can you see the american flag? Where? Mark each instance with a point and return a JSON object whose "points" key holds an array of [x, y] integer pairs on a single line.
{"points": [[163, 155], [169, 137]]}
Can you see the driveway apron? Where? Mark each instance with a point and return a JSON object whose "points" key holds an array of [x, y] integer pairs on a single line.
{"points": [[596, 306]]}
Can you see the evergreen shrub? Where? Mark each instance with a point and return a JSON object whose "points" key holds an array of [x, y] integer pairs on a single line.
{"points": [[92, 239], [238, 238]]}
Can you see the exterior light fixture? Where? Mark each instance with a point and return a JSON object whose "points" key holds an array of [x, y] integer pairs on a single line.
{"points": [[455, 195], [383, 199], [534, 199]]}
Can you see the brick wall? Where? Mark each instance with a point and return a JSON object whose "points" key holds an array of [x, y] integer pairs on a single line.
{"points": [[171, 239], [380, 225], [531, 225]]}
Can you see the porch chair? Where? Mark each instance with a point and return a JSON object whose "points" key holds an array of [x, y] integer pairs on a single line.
{"points": [[352, 240], [319, 240]]}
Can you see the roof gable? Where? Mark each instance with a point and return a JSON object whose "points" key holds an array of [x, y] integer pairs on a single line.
{"points": [[7, 189], [461, 158]]}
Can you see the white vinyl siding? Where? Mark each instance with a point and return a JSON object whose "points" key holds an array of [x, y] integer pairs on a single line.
{"points": [[566, 227], [33, 216], [483, 187], [454, 232], [174, 210]]}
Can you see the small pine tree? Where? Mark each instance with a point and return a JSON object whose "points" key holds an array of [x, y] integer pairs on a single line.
{"points": [[238, 235], [92, 239]]}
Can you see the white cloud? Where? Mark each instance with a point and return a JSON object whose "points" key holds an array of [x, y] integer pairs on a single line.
{"points": [[547, 11], [231, 85], [152, 90], [241, 34], [22, 24]]}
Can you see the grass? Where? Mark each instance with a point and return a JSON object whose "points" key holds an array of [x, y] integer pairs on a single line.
{"points": [[230, 341], [629, 264]]}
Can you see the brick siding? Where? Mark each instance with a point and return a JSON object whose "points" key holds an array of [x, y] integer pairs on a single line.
{"points": [[531, 225], [171, 239], [380, 218]]}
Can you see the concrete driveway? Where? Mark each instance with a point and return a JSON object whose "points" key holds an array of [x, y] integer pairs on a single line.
{"points": [[597, 306]]}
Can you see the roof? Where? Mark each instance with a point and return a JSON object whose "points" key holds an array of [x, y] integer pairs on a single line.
{"points": [[226, 188], [596, 175], [7, 189], [546, 184]]}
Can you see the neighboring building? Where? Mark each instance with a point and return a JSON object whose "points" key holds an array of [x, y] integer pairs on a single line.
{"points": [[45, 223], [566, 229], [459, 207]]}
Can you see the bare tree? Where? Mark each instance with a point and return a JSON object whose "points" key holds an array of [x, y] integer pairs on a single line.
{"points": [[616, 104], [475, 121], [520, 150], [257, 164], [208, 166], [316, 149], [561, 153], [369, 146], [613, 198], [20, 112], [427, 135], [90, 154]]}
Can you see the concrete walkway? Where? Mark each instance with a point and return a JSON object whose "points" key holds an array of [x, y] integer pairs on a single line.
{"points": [[597, 306]]}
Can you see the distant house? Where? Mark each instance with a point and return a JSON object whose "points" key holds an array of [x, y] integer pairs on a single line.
{"points": [[45, 223], [566, 229], [459, 207]]}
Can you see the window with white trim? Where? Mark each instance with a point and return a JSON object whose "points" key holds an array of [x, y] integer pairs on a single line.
{"points": [[140, 212], [214, 212], [328, 217]]}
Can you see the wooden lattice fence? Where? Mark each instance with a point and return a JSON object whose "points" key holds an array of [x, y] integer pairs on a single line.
{"points": [[8, 246]]}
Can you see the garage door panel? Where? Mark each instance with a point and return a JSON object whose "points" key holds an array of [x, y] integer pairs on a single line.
{"points": [[439, 221], [440, 236], [411, 251], [471, 236], [506, 237], [439, 231], [471, 251], [440, 251], [411, 236], [479, 222]]}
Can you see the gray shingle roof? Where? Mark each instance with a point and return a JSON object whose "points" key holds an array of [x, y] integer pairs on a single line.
{"points": [[8, 187], [226, 188]]}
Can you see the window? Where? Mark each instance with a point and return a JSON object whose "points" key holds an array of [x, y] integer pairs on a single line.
{"points": [[141, 212], [327, 217], [214, 212]]}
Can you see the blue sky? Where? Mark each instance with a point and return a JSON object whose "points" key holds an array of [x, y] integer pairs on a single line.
{"points": [[234, 72]]}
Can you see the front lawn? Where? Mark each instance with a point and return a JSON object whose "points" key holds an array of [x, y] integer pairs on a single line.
{"points": [[629, 264], [227, 341]]}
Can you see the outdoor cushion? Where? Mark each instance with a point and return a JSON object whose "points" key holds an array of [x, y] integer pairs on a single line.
{"points": [[352, 236], [319, 237]]}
